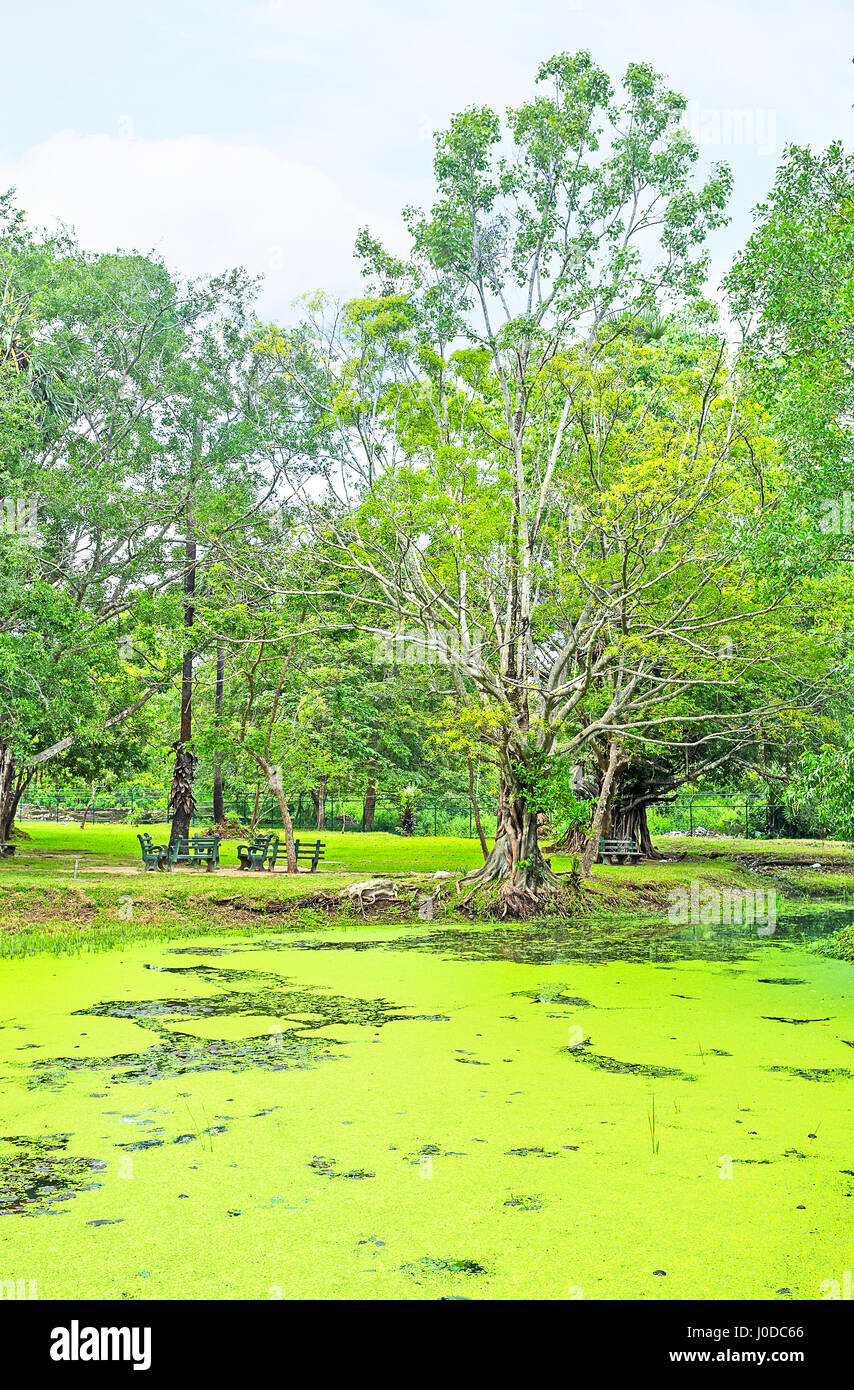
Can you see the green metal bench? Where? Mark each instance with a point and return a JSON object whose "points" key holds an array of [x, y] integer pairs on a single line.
{"points": [[314, 851], [618, 851], [254, 855], [266, 851], [153, 856], [196, 851]]}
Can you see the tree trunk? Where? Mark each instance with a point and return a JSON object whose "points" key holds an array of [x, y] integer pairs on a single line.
{"points": [[515, 863], [370, 810], [626, 818], [253, 823], [8, 821], [13, 784], [182, 801], [629, 823], [218, 801], [476, 808], [319, 798], [601, 812], [275, 783]]}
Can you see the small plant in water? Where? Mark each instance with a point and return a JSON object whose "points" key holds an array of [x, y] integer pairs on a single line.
{"points": [[653, 1136]]}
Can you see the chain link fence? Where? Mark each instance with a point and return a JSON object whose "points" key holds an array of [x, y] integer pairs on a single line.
{"points": [[742, 814]]}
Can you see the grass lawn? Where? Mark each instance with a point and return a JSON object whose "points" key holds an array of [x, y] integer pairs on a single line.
{"points": [[348, 852]]}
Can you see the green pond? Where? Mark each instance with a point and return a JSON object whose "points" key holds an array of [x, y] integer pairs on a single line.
{"points": [[421, 1113]]}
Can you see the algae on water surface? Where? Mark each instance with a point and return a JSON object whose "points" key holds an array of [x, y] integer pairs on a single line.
{"points": [[249, 1126]]}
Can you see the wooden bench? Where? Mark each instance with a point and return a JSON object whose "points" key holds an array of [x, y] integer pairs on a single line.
{"points": [[153, 856], [618, 851]]}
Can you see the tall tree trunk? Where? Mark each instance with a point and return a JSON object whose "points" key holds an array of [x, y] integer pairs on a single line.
{"points": [[13, 784], [218, 801], [253, 824], [370, 808], [476, 808], [318, 796], [275, 783], [182, 802], [515, 863], [600, 814], [628, 822]]}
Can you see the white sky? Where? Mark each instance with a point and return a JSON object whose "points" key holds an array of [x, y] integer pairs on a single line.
{"points": [[265, 134]]}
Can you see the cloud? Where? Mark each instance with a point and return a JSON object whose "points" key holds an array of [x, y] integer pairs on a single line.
{"points": [[204, 205]]}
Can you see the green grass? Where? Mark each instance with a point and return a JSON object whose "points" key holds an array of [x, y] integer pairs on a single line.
{"points": [[383, 853], [350, 852]]}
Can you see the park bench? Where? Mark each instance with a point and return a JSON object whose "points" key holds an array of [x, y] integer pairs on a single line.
{"points": [[314, 852], [618, 851], [254, 855], [267, 850], [196, 851], [153, 856]]}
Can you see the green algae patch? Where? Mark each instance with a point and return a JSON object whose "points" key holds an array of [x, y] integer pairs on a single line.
{"points": [[387, 1112]]}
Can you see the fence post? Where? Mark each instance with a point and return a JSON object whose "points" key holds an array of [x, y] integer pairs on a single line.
{"points": [[434, 820], [691, 814], [746, 821]]}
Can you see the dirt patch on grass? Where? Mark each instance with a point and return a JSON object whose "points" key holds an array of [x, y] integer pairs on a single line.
{"points": [[320, 908], [37, 906], [630, 895]]}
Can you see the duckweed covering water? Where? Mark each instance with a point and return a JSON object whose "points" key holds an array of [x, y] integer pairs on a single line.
{"points": [[553, 1110]]}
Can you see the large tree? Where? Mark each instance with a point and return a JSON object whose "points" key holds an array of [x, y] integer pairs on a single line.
{"points": [[450, 397]]}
